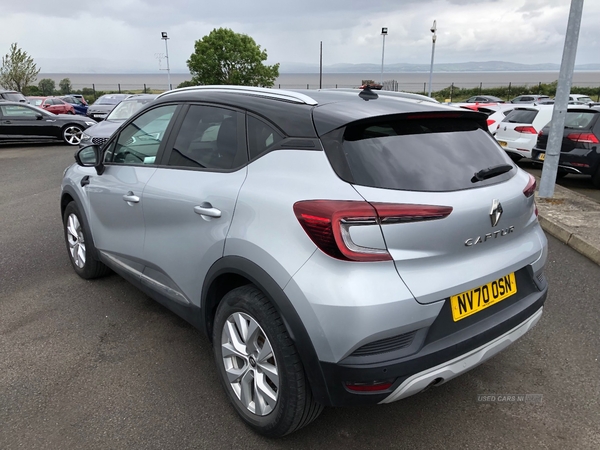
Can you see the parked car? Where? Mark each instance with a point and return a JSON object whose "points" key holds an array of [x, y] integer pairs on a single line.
{"points": [[484, 99], [104, 104], [580, 99], [580, 150], [335, 251], [21, 122], [81, 98], [99, 133], [12, 96], [517, 133], [79, 107], [530, 99], [52, 104], [496, 112]]}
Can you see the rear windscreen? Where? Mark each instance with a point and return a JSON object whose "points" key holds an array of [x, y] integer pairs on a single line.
{"points": [[433, 155], [579, 119], [521, 116]]}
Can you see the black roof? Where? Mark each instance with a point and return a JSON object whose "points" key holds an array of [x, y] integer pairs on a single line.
{"points": [[334, 109]]}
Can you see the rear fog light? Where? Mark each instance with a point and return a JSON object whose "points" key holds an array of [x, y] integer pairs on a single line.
{"points": [[374, 386]]}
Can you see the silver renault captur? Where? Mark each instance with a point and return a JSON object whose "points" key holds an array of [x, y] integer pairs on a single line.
{"points": [[336, 247]]}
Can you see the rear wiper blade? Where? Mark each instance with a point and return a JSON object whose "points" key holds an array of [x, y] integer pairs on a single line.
{"points": [[490, 172]]}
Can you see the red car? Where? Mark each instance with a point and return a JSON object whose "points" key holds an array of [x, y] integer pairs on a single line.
{"points": [[52, 104]]}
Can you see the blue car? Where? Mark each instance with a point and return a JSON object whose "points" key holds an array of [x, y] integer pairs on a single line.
{"points": [[80, 107]]}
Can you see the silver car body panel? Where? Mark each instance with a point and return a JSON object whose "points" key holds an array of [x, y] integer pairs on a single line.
{"points": [[433, 258]]}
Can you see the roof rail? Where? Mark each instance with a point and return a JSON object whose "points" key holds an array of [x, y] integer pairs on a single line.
{"points": [[279, 94]]}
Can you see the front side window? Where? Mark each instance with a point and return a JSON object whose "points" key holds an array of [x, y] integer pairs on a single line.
{"points": [[208, 139], [18, 112], [139, 141]]}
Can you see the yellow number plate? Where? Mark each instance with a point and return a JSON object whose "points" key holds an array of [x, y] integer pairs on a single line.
{"points": [[503, 143], [475, 300], [541, 156]]}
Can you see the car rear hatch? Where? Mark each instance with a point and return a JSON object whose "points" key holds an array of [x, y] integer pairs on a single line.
{"points": [[470, 209], [578, 131], [517, 128]]}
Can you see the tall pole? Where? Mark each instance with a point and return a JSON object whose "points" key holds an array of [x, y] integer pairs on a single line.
{"points": [[433, 38], [166, 38], [321, 67], [383, 33], [561, 100]]}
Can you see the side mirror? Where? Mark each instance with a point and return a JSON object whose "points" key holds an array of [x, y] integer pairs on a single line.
{"points": [[39, 116], [90, 156]]}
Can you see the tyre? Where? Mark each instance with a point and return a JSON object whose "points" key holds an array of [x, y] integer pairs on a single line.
{"points": [[596, 178], [80, 247], [259, 366], [71, 134]]}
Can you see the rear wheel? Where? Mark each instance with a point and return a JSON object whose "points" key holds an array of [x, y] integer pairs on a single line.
{"points": [[72, 134], [259, 366]]}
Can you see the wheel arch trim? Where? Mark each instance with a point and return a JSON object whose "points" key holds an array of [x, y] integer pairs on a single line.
{"points": [[238, 265]]}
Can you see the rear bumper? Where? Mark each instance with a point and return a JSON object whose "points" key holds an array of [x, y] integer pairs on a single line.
{"points": [[438, 360], [578, 161], [451, 369]]}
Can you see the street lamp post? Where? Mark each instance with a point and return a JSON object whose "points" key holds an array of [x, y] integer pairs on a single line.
{"points": [[166, 38], [384, 32], [433, 29]]}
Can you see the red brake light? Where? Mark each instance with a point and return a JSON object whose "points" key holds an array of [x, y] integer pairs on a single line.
{"points": [[327, 223], [530, 188], [526, 129], [585, 138], [490, 122]]}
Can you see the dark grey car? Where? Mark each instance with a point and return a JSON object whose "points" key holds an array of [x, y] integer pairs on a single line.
{"points": [[99, 133], [105, 104]]}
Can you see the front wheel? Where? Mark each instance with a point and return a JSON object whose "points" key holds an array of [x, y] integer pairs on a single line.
{"points": [[259, 366], [80, 245], [72, 134]]}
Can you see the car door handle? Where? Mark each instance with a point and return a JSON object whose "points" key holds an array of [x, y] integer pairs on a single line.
{"points": [[207, 210], [7, 121], [130, 197]]}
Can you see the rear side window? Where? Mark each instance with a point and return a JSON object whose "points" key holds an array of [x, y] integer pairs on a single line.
{"points": [[261, 137], [579, 119], [521, 116], [431, 155]]}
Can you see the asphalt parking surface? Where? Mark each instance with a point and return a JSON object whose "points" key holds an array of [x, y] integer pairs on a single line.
{"points": [[99, 365]]}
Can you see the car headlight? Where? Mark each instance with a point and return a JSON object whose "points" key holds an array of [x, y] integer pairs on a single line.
{"points": [[85, 137], [90, 123]]}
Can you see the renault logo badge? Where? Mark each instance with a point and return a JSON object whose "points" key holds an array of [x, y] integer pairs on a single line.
{"points": [[496, 212]]}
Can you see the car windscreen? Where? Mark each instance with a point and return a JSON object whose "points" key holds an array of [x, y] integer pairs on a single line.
{"points": [[431, 155], [126, 109], [579, 119], [35, 101], [521, 116], [14, 97], [107, 100]]}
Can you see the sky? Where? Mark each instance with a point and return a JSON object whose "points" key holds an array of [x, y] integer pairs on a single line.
{"points": [[108, 36]]}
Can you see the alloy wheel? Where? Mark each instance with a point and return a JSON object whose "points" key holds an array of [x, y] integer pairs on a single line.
{"points": [[72, 135], [76, 241], [250, 363]]}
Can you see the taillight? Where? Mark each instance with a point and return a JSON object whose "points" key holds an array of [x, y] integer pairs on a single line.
{"points": [[585, 138], [526, 129], [530, 188], [490, 122], [328, 223], [373, 386]]}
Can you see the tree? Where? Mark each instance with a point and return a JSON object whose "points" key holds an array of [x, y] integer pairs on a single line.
{"points": [[226, 57], [18, 69], [46, 86], [186, 83], [65, 86]]}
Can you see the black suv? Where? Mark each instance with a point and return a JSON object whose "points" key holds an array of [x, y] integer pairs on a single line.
{"points": [[12, 96], [580, 151]]}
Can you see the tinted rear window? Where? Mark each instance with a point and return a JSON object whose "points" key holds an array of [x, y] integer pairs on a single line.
{"points": [[432, 155], [579, 119], [521, 116]]}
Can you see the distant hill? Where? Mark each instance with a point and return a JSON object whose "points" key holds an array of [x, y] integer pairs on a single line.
{"points": [[483, 66]]}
